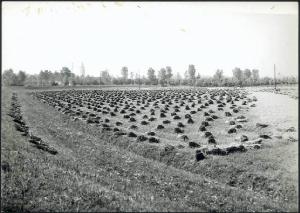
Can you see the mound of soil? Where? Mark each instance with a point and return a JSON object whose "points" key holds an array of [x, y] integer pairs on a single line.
{"points": [[153, 140], [178, 130], [199, 155], [193, 144]]}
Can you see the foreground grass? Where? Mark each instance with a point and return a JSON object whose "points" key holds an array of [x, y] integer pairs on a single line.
{"points": [[94, 172]]}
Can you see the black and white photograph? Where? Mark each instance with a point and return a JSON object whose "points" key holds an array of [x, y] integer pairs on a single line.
{"points": [[132, 106]]}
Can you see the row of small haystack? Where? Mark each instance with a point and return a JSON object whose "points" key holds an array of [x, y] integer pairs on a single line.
{"points": [[20, 125], [222, 150]]}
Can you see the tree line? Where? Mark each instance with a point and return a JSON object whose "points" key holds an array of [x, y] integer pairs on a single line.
{"points": [[163, 77]]}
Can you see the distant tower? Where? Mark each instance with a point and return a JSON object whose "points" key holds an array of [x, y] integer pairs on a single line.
{"points": [[82, 70]]}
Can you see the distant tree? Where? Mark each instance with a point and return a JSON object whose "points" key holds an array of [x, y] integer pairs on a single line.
{"points": [[88, 80], [162, 76], [105, 77], [238, 75], [41, 78], [247, 73], [131, 77], [31, 80], [293, 80], [117, 81], [44, 78], [143, 80], [95, 81], [198, 80], [21, 77], [204, 82], [228, 82], [255, 76], [247, 77], [52, 79], [81, 79], [177, 79], [78, 80], [169, 74], [57, 77], [124, 74], [192, 74], [72, 81], [218, 77], [185, 80], [186, 75], [9, 78], [136, 78], [48, 76], [66, 71], [266, 81], [151, 76], [66, 74]]}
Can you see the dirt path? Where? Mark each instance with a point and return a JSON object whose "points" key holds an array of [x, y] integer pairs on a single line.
{"points": [[280, 111]]}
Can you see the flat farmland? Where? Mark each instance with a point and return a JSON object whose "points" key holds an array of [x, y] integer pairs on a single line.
{"points": [[168, 149]]}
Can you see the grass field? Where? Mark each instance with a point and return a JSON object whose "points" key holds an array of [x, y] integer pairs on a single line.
{"points": [[97, 170]]}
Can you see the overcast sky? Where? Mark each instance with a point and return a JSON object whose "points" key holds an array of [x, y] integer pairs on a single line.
{"points": [[139, 35]]}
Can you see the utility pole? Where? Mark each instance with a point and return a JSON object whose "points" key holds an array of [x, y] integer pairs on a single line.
{"points": [[274, 77]]}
